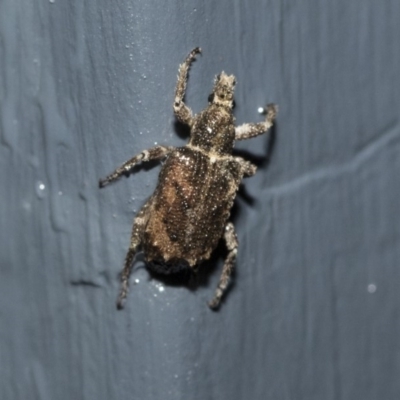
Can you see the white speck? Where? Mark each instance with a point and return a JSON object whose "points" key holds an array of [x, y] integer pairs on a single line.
{"points": [[212, 159], [176, 376], [60, 193], [261, 110], [371, 288], [51, 1], [137, 281], [144, 76], [40, 189], [209, 129], [159, 286], [156, 143], [139, 220]]}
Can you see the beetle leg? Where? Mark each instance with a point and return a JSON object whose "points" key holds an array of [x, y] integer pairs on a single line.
{"points": [[182, 111], [155, 153], [232, 245], [247, 131], [139, 224], [248, 168]]}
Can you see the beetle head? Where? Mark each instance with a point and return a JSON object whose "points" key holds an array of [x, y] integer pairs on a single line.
{"points": [[222, 94]]}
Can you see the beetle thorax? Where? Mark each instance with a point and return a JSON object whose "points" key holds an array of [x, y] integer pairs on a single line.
{"points": [[214, 130]]}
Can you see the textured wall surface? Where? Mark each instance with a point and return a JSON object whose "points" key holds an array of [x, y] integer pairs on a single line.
{"points": [[314, 309]]}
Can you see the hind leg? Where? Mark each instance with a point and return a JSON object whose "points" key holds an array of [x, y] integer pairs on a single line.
{"points": [[232, 245], [139, 224]]}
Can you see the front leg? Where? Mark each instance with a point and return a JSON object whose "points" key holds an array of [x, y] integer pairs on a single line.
{"points": [[247, 131], [182, 111], [232, 246], [155, 153]]}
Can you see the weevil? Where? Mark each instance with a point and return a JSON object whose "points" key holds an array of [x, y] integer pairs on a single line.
{"points": [[182, 222]]}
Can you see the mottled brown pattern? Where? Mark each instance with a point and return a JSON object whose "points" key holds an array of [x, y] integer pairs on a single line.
{"points": [[182, 222], [190, 206]]}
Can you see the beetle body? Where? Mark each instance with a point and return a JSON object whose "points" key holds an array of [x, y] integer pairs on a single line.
{"points": [[183, 221], [189, 209]]}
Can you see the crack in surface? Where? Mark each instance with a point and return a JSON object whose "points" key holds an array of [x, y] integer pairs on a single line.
{"points": [[85, 282], [390, 135]]}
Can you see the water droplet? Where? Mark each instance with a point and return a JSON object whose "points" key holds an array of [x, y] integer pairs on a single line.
{"points": [[144, 76], [137, 281], [161, 288], [371, 288], [261, 110], [40, 189]]}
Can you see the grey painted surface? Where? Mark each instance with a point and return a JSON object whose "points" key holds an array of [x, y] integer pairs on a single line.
{"points": [[314, 311]]}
